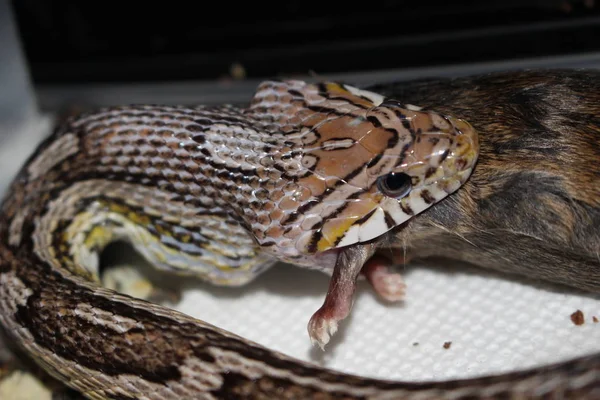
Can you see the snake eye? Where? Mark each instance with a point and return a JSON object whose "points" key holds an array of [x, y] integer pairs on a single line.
{"points": [[395, 184]]}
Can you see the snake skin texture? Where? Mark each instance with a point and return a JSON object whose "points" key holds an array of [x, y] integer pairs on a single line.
{"points": [[305, 174]]}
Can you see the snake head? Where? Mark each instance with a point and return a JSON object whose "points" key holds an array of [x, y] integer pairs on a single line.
{"points": [[366, 164]]}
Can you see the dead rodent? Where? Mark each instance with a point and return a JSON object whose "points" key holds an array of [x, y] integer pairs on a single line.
{"points": [[532, 205]]}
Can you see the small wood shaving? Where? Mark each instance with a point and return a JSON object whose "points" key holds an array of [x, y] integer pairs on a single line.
{"points": [[578, 318], [447, 345], [595, 319]]}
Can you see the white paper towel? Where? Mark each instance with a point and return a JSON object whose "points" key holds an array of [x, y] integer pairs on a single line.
{"points": [[494, 324]]}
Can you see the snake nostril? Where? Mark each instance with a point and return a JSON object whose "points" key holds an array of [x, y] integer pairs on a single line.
{"points": [[461, 164]]}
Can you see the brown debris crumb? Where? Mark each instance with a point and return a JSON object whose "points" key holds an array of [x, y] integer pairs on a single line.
{"points": [[595, 319], [447, 345], [578, 318]]}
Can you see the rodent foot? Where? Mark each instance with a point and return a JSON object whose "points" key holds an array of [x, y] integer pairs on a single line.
{"points": [[321, 328], [387, 284]]}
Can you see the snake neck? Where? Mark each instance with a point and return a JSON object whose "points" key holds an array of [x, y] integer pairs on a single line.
{"points": [[161, 168]]}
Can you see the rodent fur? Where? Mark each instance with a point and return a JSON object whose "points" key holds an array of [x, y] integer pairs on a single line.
{"points": [[532, 205]]}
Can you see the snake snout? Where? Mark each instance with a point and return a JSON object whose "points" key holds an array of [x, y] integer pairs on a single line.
{"points": [[444, 152], [463, 151]]}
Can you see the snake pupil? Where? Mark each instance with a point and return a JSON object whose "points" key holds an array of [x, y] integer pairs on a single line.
{"points": [[395, 184]]}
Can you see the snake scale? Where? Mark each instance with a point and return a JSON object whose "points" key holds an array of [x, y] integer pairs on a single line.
{"points": [[317, 175]]}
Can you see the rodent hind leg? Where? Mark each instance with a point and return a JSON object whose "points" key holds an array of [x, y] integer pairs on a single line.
{"points": [[526, 255], [387, 283], [350, 264]]}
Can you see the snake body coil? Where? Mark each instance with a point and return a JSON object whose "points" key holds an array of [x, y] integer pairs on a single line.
{"points": [[316, 175]]}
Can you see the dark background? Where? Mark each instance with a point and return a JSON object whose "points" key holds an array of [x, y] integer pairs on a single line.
{"points": [[121, 41]]}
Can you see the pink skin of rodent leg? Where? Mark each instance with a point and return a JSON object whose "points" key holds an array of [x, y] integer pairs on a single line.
{"points": [[340, 295], [387, 284]]}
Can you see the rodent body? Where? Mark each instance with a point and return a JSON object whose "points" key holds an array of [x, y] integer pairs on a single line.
{"points": [[532, 205]]}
